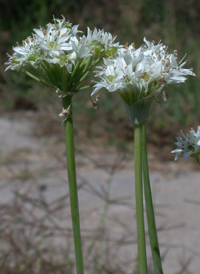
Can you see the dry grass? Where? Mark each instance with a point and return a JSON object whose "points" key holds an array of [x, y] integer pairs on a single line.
{"points": [[36, 235]]}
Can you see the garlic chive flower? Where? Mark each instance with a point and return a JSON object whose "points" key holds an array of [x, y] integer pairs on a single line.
{"points": [[141, 73], [189, 146], [101, 42], [60, 56]]}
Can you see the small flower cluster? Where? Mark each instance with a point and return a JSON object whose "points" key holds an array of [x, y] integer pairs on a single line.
{"points": [[189, 146], [61, 55], [139, 73], [45, 45]]}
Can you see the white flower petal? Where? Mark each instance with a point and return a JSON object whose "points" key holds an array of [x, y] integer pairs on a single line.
{"points": [[190, 145], [141, 67]]}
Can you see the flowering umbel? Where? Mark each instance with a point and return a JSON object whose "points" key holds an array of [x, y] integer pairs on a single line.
{"points": [[60, 56], [189, 146], [140, 74]]}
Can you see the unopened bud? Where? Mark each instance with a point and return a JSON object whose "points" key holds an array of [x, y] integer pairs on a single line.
{"points": [[110, 52], [97, 47]]}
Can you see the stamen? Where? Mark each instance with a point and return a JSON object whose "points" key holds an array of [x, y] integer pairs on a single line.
{"points": [[183, 58]]}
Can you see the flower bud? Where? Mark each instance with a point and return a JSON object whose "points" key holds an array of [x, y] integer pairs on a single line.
{"points": [[33, 57], [97, 47], [63, 58], [110, 52]]}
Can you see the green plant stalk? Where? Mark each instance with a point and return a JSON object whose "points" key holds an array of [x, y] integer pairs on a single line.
{"points": [[142, 260], [149, 208], [198, 161], [68, 124]]}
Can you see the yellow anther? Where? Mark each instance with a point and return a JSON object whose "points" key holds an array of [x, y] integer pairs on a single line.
{"points": [[167, 64]]}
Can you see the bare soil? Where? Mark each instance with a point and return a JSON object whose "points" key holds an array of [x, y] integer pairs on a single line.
{"points": [[34, 166]]}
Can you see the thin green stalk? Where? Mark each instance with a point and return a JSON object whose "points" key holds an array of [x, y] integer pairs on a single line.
{"points": [[73, 185], [198, 160], [87, 64], [142, 260], [86, 87], [33, 77], [75, 69], [149, 208], [80, 80]]}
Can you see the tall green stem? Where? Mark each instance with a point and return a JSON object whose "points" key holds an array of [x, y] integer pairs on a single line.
{"points": [[139, 200], [149, 208], [73, 185]]}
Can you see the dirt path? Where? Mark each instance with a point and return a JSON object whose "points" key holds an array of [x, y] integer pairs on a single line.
{"points": [[35, 166]]}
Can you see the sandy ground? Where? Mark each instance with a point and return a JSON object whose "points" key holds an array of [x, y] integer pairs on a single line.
{"points": [[36, 166]]}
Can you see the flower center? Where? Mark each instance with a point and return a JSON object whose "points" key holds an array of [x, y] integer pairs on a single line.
{"points": [[110, 78], [191, 148], [52, 45]]}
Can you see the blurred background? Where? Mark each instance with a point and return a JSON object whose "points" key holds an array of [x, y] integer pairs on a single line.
{"points": [[35, 225], [175, 23]]}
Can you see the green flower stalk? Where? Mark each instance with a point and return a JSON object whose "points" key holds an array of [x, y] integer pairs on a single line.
{"points": [[71, 167], [149, 208], [139, 76], [61, 57], [142, 259]]}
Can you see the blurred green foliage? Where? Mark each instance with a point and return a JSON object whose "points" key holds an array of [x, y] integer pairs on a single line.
{"points": [[174, 22]]}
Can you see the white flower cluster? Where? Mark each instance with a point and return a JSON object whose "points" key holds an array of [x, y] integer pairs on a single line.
{"points": [[142, 72], [61, 45], [45, 44], [189, 146]]}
